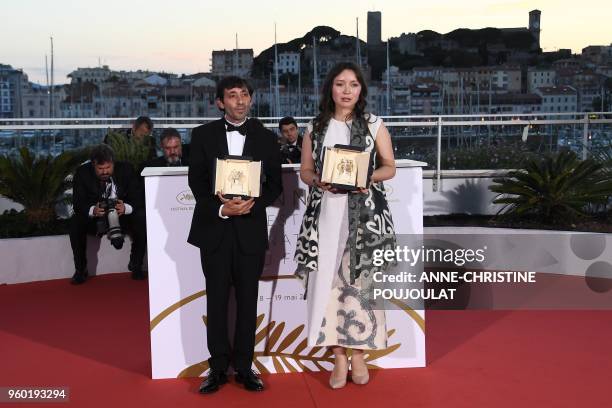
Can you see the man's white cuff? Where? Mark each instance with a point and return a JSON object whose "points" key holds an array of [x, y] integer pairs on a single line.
{"points": [[225, 217]]}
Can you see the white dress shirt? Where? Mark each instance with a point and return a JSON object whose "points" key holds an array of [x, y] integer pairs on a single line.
{"points": [[235, 145], [235, 141]]}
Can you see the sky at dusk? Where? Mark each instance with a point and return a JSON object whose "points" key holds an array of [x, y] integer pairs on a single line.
{"points": [[179, 36]]}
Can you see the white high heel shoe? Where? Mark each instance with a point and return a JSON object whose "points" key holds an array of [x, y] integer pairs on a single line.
{"points": [[338, 375], [362, 378]]}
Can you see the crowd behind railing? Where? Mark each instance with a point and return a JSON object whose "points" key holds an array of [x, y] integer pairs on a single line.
{"points": [[448, 142]]}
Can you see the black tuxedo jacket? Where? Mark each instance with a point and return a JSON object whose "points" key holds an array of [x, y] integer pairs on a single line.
{"points": [[209, 142], [161, 162], [292, 154], [156, 162], [86, 189]]}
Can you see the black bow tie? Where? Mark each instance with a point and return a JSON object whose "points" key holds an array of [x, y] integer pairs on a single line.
{"points": [[242, 129]]}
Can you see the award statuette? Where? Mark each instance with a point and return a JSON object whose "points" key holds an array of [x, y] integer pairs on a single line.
{"points": [[237, 176], [346, 167]]}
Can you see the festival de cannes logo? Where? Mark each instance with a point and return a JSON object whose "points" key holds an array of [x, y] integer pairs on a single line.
{"points": [[286, 346], [185, 198]]}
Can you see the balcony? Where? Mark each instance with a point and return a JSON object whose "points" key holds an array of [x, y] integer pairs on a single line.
{"points": [[445, 142]]}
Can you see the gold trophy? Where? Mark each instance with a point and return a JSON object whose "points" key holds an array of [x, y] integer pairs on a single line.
{"points": [[346, 167], [344, 172], [237, 176]]}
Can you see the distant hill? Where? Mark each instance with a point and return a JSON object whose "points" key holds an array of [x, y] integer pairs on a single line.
{"points": [[262, 64], [466, 48], [459, 48]]}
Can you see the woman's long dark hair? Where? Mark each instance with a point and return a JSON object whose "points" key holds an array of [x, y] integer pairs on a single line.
{"points": [[327, 107]]}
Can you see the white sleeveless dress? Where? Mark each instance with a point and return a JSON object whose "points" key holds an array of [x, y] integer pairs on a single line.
{"points": [[336, 313]]}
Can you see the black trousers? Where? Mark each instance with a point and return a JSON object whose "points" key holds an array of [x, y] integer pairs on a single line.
{"points": [[134, 224], [227, 267]]}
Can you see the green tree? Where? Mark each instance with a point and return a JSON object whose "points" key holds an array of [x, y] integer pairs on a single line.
{"points": [[129, 150], [557, 189], [38, 182]]}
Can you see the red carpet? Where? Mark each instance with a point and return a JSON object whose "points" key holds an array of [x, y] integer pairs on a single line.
{"points": [[94, 339]]}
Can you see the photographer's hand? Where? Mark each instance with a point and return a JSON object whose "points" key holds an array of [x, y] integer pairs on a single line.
{"points": [[98, 211], [120, 207]]}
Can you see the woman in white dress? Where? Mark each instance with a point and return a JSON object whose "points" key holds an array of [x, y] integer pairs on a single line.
{"points": [[333, 259]]}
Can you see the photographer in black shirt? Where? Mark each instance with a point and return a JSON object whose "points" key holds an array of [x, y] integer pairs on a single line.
{"points": [[107, 200], [291, 141]]}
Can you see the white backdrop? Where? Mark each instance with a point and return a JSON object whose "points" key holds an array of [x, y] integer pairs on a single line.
{"points": [[177, 287]]}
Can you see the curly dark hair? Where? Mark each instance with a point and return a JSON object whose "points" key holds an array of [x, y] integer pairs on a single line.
{"points": [[230, 82], [169, 133], [101, 153], [327, 107], [287, 120], [143, 120]]}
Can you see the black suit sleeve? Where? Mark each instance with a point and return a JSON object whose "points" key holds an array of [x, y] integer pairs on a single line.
{"points": [[131, 189], [273, 186], [200, 174], [81, 200]]}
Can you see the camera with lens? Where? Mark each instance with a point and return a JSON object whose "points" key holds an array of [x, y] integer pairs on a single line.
{"points": [[289, 148], [291, 152], [109, 224]]}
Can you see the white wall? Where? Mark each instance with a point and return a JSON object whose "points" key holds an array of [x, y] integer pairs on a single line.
{"points": [[178, 335], [460, 191], [45, 258]]}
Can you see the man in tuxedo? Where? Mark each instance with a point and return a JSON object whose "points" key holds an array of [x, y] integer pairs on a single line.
{"points": [[291, 141], [96, 181], [172, 149], [232, 234]]}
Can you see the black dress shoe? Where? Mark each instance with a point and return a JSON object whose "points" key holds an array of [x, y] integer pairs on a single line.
{"points": [[212, 383], [250, 380], [79, 277], [139, 275]]}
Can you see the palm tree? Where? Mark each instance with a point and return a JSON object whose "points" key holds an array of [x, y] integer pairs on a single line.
{"points": [[129, 150], [38, 183], [558, 188], [603, 154]]}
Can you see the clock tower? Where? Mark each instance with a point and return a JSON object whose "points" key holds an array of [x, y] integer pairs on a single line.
{"points": [[534, 25]]}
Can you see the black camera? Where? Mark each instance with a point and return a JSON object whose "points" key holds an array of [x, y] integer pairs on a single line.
{"points": [[109, 224], [291, 152]]}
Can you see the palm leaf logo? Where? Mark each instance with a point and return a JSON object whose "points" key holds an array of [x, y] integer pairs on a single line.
{"points": [[276, 346]]}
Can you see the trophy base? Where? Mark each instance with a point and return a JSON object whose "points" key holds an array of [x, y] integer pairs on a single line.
{"points": [[345, 187], [231, 196]]}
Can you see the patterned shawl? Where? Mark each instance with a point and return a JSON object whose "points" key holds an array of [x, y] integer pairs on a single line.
{"points": [[370, 222]]}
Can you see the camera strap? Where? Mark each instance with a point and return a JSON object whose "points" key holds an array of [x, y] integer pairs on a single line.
{"points": [[108, 189]]}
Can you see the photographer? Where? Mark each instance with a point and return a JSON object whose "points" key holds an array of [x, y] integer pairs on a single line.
{"points": [[173, 150], [107, 200], [141, 130], [291, 141]]}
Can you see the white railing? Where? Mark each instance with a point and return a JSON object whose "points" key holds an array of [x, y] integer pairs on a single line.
{"points": [[435, 124]]}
